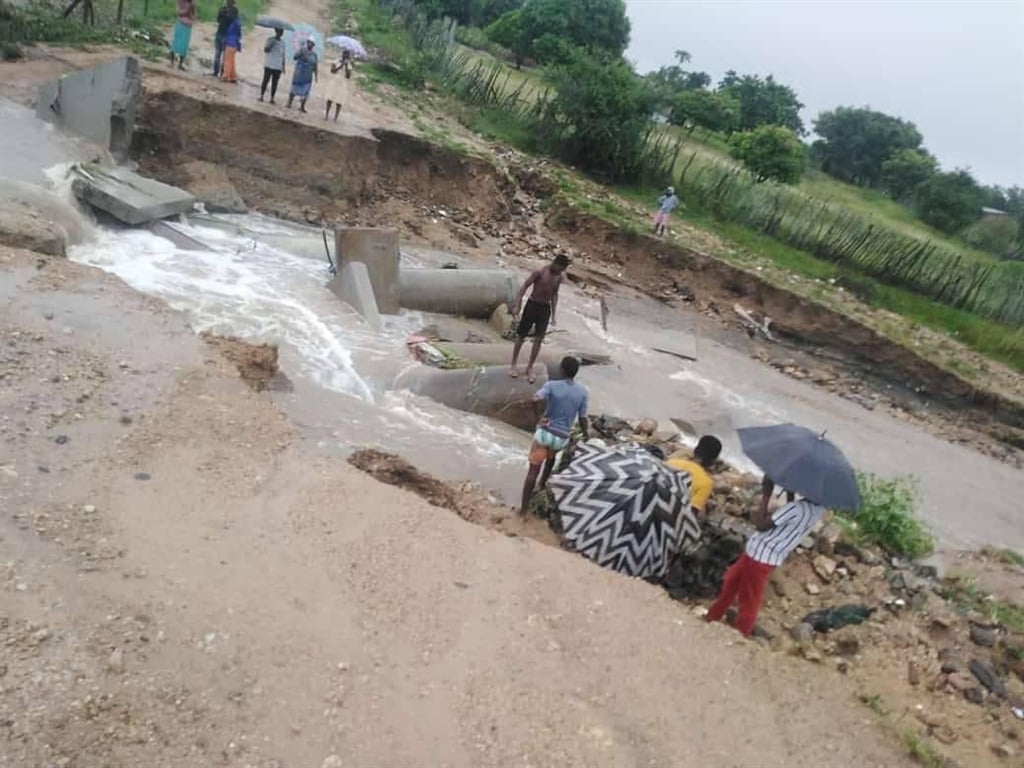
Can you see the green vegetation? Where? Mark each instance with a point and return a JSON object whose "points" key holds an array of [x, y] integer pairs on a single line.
{"points": [[554, 31], [770, 152], [1007, 556], [856, 143], [967, 596], [923, 752], [166, 11], [886, 518], [41, 24]]}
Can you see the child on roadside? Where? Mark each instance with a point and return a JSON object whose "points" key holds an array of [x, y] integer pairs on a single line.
{"points": [[667, 203]]}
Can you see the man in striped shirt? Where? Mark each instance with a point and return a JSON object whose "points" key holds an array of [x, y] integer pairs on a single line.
{"points": [[777, 535]]}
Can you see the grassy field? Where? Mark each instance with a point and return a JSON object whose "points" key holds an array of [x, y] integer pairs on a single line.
{"points": [[165, 11]]}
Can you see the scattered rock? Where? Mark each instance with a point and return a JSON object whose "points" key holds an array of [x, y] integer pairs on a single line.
{"points": [[802, 632], [89, 509], [950, 661], [1005, 751], [142, 476], [332, 761], [115, 662], [988, 677], [824, 566], [827, 538], [848, 644], [60, 439], [961, 681], [983, 636], [812, 654], [913, 673], [779, 586], [975, 695], [812, 589]]}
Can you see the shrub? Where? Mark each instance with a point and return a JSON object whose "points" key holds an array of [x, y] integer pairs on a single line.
{"points": [[770, 152], [598, 116], [887, 518]]}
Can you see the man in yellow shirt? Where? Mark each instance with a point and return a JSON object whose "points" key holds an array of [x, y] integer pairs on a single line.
{"points": [[704, 455]]}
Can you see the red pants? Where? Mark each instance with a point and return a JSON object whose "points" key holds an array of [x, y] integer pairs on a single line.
{"points": [[745, 579]]}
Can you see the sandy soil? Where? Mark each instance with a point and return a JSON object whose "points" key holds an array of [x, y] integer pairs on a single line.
{"points": [[186, 584]]}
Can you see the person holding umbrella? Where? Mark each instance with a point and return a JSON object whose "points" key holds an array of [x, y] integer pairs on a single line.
{"points": [[306, 73], [273, 63], [777, 536], [804, 463], [338, 84]]}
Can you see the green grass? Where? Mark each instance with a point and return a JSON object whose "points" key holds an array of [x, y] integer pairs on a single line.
{"points": [[166, 11], [887, 517], [968, 596], [1006, 556], [923, 752]]}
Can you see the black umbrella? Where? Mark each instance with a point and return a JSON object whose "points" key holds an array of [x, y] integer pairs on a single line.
{"points": [[804, 462], [272, 23], [625, 510]]}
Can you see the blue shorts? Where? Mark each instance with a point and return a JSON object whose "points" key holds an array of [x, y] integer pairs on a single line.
{"points": [[545, 445]]}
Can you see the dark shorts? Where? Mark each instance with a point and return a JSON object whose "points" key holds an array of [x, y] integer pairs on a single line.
{"points": [[535, 317]]}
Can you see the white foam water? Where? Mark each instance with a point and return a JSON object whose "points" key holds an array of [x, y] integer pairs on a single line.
{"points": [[245, 288]]}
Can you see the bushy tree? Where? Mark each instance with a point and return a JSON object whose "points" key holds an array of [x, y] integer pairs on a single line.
{"points": [[949, 201], [668, 81], [905, 170], [710, 110], [598, 116], [507, 31], [763, 102], [856, 141], [551, 28], [770, 152], [996, 234], [470, 13]]}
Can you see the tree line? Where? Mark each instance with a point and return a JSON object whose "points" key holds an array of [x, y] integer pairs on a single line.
{"points": [[601, 109]]}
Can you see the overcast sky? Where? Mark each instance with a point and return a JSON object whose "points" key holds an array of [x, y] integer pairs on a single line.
{"points": [[955, 68]]}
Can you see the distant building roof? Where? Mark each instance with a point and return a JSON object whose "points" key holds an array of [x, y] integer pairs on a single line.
{"points": [[993, 212]]}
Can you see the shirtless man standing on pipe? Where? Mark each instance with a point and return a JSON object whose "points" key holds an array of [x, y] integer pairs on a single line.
{"points": [[538, 312]]}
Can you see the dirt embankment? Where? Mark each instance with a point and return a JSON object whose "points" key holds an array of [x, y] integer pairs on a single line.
{"points": [[301, 173]]}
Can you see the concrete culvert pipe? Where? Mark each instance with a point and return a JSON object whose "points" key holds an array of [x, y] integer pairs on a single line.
{"points": [[466, 292], [487, 391]]}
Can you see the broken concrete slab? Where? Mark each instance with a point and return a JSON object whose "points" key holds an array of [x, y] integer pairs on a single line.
{"points": [[467, 292], [353, 286], [128, 197], [487, 391], [212, 187], [377, 248], [501, 353], [98, 103], [175, 235]]}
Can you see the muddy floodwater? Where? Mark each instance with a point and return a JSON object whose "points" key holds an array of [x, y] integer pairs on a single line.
{"points": [[253, 281]]}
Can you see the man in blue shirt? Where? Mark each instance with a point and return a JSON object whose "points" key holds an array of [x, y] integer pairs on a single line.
{"points": [[565, 401]]}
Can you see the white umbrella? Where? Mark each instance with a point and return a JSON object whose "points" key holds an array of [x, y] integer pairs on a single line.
{"points": [[349, 44]]}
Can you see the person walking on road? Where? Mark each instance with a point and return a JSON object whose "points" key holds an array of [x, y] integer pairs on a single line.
{"points": [[273, 64], [232, 47], [667, 203], [227, 14], [306, 73], [539, 311], [336, 91], [565, 402], [182, 37], [777, 536]]}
